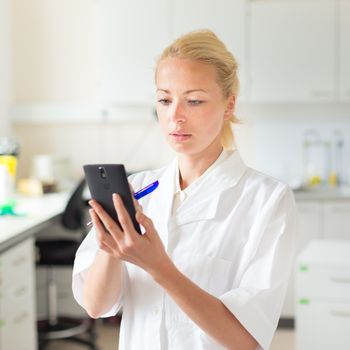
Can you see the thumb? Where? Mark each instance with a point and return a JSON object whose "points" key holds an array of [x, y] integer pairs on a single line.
{"points": [[146, 222]]}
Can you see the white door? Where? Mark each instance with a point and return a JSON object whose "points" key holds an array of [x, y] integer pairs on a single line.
{"points": [[226, 18], [344, 46], [291, 50]]}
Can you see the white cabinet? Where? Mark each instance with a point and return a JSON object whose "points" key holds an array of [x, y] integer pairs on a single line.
{"points": [[17, 306], [291, 50], [227, 19], [336, 216], [317, 219], [308, 214], [131, 35], [131, 41], [344, 47], [323, 296]]}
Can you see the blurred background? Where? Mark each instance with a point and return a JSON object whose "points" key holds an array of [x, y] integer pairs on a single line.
{"points": [[77, 87]]}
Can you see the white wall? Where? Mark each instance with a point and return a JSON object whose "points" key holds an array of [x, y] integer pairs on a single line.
{"points": [[5, 67], [279, 133]]}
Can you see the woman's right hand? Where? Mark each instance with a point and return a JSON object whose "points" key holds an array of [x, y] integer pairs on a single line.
{"points": [[105, 239]]}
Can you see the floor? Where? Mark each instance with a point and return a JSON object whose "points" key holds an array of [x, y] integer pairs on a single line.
{"points": [[108, 337]]}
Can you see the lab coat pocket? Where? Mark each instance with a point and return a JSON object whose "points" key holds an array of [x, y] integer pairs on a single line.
{"points": [[210, 273]]}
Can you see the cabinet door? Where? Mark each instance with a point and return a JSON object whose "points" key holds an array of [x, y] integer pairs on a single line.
{"points": [[323, 325], [131, 35], [344, 46], [291, 50], [336, 216], [226, 18], [308, 229], [17, 306]]}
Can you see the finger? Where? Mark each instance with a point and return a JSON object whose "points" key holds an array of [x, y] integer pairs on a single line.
{"points": [[137, 205], [123, 215], [109, 224], [146, 222], [107, 249], [102, 236], [131, 189]]}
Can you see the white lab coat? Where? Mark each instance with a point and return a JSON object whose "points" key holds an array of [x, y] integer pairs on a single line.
{"points": [[234, 237]]}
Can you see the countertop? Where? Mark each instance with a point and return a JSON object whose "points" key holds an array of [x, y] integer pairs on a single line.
{"points": [[337, 193], [38, 213]]}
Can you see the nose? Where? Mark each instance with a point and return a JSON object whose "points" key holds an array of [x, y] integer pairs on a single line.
{"points": [[177, 113]]}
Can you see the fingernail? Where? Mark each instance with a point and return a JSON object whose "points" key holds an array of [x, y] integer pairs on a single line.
{"points": [[90, 202]]}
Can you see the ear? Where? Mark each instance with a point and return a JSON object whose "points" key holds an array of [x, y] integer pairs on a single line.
{"points": [[230, 107]]}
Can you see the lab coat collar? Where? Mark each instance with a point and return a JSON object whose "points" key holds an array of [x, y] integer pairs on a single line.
{"points": [[203, 202]]}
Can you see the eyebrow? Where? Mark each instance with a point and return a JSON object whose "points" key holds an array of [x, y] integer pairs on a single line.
{"points": [[186, 92]]}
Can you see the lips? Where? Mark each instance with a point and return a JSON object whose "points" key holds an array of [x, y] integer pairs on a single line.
{"points": [[180, 136]]}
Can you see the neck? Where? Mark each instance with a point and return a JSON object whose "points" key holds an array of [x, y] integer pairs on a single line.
{"points": [[194, 165]]}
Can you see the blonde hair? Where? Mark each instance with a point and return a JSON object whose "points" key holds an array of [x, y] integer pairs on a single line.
{"points": [[204, 46]]}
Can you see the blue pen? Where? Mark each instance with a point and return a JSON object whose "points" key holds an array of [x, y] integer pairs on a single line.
{"points": [[141, 193], [146, 190]]}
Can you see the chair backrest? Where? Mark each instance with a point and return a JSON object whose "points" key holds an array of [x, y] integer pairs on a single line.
{"points": [[72, 218]]}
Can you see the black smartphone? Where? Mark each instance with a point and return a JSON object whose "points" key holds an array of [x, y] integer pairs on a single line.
{"points": [[105, 179]]}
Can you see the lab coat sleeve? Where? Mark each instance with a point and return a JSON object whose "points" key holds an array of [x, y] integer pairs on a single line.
{"points": [[258, 301], [83, 260]]}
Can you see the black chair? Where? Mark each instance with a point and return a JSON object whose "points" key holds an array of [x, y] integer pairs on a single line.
{"points": [[61, 252]]}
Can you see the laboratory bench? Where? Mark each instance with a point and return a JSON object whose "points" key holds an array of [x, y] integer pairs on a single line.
{"points": [[17, 267]]}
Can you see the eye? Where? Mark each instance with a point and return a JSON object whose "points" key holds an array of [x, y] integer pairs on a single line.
{"points": [[195, 102], [164, 101]]}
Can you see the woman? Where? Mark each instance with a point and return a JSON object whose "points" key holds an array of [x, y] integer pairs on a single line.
{"points": [[211, 269]]}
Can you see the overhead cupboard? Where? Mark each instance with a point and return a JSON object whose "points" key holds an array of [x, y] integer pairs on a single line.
{"points": [[287, 50], [132, 35], [299, 50], [102, 62]]}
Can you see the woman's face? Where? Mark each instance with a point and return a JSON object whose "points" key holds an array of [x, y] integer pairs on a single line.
{"points": [[190, 105]]}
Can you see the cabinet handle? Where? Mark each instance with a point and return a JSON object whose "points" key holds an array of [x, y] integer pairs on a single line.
{"points": [[340, 279], [20, 260], [340, 313], [20, 291], [21, 317]]}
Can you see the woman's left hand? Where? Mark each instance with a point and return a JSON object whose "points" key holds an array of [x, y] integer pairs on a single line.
{"points": [[125, 243]]}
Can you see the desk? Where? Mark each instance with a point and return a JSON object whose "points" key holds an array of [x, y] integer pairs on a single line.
{"points": [[17, 268]]}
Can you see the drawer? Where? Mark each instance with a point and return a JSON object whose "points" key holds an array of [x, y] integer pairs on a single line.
{"points": [[323, 282], [17, 264], [322, 325], [18, 330], [17, 298]]}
